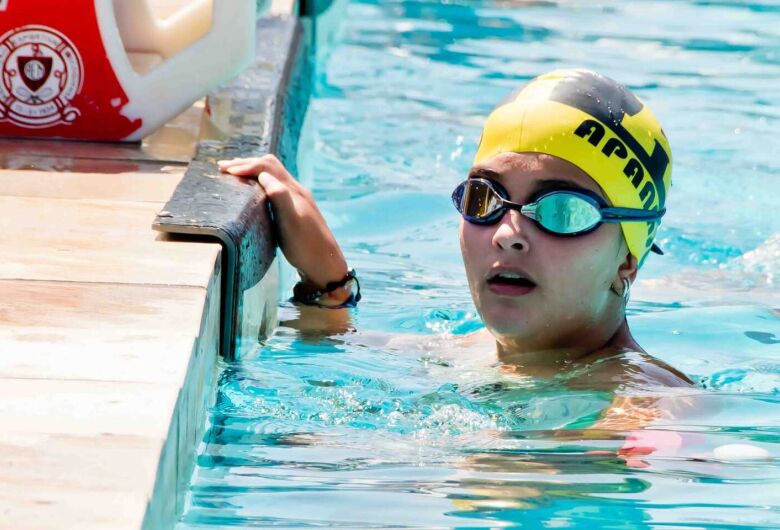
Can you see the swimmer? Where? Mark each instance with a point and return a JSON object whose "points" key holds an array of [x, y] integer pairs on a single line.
{"points": [[558, 213]]}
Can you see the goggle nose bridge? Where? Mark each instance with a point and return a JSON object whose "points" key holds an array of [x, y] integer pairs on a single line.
{"points": [[528, 210]]}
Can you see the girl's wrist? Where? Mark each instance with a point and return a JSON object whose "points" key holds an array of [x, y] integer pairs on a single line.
{"points": [[338, 293]]}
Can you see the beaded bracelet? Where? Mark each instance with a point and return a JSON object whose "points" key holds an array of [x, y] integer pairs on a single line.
{"points": [[314, 298]]}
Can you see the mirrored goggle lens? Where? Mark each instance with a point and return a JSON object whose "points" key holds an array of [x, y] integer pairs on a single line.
{"points": [[564, 213], [478, 200]]}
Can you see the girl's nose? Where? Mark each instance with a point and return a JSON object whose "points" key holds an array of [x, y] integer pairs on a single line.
{"points": [[511, 232]]}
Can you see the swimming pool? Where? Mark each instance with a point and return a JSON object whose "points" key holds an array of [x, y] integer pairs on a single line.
{"points": [[348, 431]]}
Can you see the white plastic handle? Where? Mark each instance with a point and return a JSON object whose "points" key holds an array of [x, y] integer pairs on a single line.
{"points": [[143, 32], [187, 73]]}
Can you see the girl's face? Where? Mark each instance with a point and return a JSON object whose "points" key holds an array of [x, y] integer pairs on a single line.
{"points": [[564, 301]]}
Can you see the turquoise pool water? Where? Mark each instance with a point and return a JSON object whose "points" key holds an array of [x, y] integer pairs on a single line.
{"points": [[351, 431]]}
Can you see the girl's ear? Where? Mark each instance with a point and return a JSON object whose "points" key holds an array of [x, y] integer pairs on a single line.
{"points": [[627, 269]]}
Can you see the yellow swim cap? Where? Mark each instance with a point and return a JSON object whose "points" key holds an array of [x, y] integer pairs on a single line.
{"points": [[596, 124]]}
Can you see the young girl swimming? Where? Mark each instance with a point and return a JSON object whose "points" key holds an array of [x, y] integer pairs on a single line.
{"points": [[559, 211]]}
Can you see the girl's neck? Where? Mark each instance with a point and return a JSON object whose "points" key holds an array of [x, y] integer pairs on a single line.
{"points": [[554, 361]]}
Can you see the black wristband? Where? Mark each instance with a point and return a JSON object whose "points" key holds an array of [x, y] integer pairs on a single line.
{"points": [[314, 297]]}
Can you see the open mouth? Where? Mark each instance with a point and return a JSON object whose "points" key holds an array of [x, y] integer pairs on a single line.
{"points": [[511, 284]]}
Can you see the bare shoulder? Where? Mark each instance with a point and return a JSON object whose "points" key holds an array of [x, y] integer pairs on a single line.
{"points": [[637, 370], [656, 371]]}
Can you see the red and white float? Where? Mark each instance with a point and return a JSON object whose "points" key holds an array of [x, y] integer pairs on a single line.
{"points": [[110, 69]]}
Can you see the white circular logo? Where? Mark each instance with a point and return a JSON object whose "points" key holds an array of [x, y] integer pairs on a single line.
{"points": [[41, 72], [35, 70]]}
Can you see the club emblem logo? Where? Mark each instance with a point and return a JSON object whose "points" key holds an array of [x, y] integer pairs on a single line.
{"points": [[41, 73]]}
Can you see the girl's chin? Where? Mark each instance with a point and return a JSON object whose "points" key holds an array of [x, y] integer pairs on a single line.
{"points": [[503, 325]]}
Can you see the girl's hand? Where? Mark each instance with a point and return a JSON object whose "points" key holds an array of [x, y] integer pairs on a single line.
{"points": [[305, 239]]}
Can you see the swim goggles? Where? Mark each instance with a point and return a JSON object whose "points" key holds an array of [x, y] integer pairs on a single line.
{"points": [[561, 212]]}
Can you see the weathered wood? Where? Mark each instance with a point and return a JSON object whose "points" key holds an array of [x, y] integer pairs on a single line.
{"points": [[108, 344]]}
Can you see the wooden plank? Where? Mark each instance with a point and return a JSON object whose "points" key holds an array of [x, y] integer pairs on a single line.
{"points": [[135, 185], [152, 426], [54, 481], [112, 445], [95, 241], [66, 164], [99, 332], [87, 408]]}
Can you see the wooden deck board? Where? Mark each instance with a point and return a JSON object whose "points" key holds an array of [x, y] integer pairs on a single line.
{"points": [[136, 186], [95, 241], [51, 480], [109, 332], [97, 332], [86, 408], [108, 343]]}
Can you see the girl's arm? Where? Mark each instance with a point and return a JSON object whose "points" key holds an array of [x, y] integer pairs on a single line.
{"points": [[304, 236]]}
